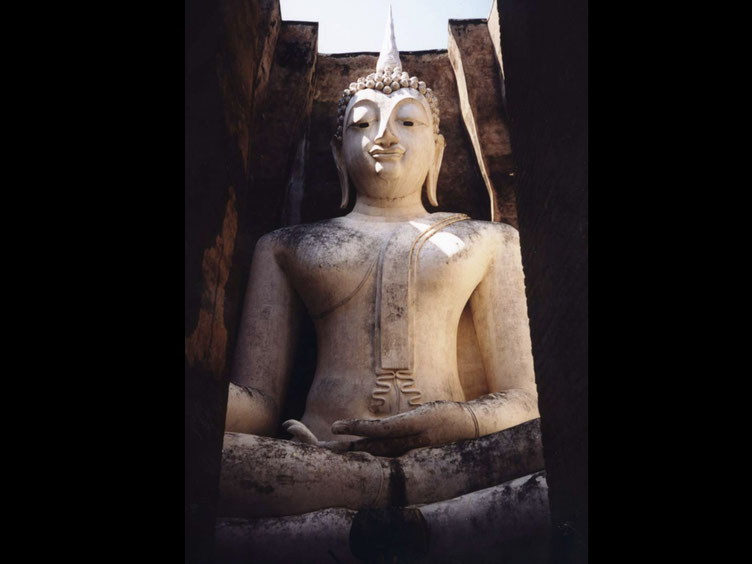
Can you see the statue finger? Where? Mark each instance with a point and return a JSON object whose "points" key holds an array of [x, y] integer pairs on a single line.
{"points": [[303, 435], [395, 426], [300, 432], [392, 446], [287, 425]]}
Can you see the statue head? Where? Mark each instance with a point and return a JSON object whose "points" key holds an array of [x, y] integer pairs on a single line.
{"points": [[388, 139]]}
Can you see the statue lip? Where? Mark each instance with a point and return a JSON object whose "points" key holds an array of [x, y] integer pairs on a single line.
{"points": [[387, 153]]}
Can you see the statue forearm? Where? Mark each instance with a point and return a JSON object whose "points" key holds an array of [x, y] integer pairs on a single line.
{"points": [[441, 422], [502, 410], [250, 411]]}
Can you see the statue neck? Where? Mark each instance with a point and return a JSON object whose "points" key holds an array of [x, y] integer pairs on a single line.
{"points": [[390, 209]]}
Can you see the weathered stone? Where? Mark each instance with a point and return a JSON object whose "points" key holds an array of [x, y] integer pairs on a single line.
{"points": [[479, 86], [509, 523], [281, 127], [320, 536], [545, 46], [494, 32], [431, 475], [229, 47], [264, 477], [505, 523]]}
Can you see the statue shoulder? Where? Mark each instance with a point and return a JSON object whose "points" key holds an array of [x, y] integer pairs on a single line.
{"points": [[490, 231], [328, 234], [502, 232]]}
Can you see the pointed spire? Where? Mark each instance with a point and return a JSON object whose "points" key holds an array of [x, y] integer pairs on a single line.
{"points": [[389, 56]]}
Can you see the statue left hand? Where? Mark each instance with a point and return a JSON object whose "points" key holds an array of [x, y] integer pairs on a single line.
{"points": [[434, 423]]}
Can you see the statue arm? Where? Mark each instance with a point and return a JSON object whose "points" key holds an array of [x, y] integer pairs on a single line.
{"points": [[499, 309], [265, 347]]}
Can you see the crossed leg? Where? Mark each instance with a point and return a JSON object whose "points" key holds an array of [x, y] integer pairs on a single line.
{"points": [[265, 477]]}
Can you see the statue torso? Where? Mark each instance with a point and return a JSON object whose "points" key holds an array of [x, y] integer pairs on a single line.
{"points": [[386, 303]]}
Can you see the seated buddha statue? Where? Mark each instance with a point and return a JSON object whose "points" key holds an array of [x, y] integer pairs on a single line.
{"points": [[388, 286]]}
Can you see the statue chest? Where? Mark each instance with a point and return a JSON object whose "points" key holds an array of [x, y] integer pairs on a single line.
{"points": [[392, 271], [330, 267]]}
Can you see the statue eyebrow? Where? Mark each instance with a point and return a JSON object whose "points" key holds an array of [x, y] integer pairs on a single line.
{"points": [[370, 104], [411, 103], [363, 102]]}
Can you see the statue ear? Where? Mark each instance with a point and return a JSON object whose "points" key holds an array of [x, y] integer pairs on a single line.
{"points": [[432, 177], [344, 181]]}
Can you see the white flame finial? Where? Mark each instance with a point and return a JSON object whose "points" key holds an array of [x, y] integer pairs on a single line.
{"points": [[389, 56]]}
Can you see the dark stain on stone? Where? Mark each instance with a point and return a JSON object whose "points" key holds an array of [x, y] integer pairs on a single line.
{"points": [[389, 535], [329, 233], [285, 479], [397, 493], [471, 457], [330, 553], [294, 55], [531, 486], [251, 485]]}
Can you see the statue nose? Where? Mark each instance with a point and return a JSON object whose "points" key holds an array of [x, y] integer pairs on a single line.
{"points": [[385, 136]]}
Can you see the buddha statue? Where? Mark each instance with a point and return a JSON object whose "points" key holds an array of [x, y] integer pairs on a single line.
{"points": [[391, 415]]}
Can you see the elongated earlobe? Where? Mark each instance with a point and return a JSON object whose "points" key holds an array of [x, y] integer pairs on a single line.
{"points": [[344, 181], [432, 177]]}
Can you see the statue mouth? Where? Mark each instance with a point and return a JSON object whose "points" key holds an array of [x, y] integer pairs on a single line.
{"points": [[389, 154]]}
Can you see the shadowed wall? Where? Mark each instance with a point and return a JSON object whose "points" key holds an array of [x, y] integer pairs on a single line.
{"points": [[545, 61]]}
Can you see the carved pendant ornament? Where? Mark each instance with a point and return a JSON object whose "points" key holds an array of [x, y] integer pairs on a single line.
{"points": [[394, 341], [397, 277]]}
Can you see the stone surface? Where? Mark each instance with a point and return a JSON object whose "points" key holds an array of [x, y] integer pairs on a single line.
{"points": [[266, 477], [282, 125], [229, 49], [494, 32], [479, 84], [508, 523], [319, 536], [545, 46]]}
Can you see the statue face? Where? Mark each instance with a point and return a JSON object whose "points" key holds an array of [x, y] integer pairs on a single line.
{"points": [[388, 142]]}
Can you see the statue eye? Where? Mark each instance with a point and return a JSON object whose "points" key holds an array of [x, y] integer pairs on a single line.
{"points": [[407, 123], [362, 125]]}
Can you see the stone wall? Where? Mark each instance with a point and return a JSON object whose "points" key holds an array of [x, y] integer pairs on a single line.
{"points": [[230, 47], [545, 47], [479, 88]]}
